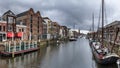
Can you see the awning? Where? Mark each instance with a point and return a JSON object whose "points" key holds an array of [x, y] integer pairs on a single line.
{"points": [[10, 34], [19, 34]]}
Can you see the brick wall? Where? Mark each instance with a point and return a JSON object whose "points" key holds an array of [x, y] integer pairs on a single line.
{"points": [[31, 19]]}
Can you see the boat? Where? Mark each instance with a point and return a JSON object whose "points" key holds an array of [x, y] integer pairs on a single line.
{"points": [[72, 38], [101, 53]]}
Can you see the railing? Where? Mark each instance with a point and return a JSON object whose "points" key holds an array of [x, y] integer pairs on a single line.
{"points": [[19, 46]]}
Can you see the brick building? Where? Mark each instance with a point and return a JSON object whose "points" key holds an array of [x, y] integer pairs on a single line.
{"points": [[10, 19], [33, 22], [3, 36]]}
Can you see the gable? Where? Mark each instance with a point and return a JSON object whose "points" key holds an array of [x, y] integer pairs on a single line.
{"points": [[9, 12]]}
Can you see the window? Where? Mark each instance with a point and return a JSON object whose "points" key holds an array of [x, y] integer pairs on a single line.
{"points": [[38, 26], [31, 26], [19, 30], [9, 28], [31, 18], [10, 20], [0, 28], [3, 28], [22, 29], [31, 30]]}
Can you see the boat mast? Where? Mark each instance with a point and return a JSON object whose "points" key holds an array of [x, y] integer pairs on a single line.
{"points": [[93, 21], [102, 21], [93, 26]]}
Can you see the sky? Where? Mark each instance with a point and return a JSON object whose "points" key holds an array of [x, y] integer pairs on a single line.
{"points": [[66, 12]]}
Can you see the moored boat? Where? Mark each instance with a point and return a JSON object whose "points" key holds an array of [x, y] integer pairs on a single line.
{"points": [[102, 55], [72, 39]]}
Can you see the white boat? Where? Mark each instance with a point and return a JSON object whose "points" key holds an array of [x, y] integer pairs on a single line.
{"points": [[72, 39]]}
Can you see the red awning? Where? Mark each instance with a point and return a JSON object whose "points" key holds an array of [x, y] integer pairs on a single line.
{"points": [[19, 34], [10, 34]]}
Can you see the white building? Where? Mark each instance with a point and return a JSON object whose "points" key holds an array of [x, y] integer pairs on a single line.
{"points": [[21, 30], [49, 27]]}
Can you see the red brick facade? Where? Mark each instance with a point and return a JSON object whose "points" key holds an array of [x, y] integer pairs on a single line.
{"points": [[3, 26], [33, 22]]}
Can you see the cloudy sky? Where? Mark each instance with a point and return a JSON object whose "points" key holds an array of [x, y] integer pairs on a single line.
{"points": [[66, 12]]}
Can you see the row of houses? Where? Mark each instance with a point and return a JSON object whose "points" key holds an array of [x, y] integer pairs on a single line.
{"points": [[111, 32], [29, 25]]}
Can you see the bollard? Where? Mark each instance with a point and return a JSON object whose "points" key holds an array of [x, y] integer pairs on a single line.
{"points": [[13, 53]]}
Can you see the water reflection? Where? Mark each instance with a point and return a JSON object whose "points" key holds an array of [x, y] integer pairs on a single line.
{"points": [[76, 54]]}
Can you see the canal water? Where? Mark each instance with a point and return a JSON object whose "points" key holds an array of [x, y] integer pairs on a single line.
{"points": [[75, 54]]}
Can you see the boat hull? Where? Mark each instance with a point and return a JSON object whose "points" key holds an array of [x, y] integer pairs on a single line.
{"points": [[72, 39], [100, 58], [109, 60]]}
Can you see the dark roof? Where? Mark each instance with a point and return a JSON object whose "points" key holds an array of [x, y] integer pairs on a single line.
{"points": [[45, 17], [64, 26], [22, 14], [8, 12], [43, 20]]}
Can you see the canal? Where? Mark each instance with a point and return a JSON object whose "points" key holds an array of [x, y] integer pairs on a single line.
{"points": [[75, 54]]}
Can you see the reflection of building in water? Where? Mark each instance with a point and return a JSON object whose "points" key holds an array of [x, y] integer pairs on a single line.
{"points": [[3, 64], [25, 61]]}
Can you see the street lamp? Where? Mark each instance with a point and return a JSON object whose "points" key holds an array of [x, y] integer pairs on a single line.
{"points": [[118, 63]]}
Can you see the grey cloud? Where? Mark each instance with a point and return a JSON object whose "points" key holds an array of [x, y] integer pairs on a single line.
{"points": [[66, 12]]}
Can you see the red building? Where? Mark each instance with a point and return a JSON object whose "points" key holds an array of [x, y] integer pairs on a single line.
{"points": [[33, 22]]}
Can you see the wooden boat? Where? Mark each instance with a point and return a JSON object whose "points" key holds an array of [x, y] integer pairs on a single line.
{"points": [[101, 53]]}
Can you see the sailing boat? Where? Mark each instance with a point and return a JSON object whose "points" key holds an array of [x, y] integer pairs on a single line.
{"points": [[100, 52]]}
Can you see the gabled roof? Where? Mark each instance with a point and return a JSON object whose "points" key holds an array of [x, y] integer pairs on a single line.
{"points": [[9, 12], [113, 23], [22, 14], [45, 17]]}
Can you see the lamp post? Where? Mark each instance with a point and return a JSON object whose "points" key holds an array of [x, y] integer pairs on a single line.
{"points": [[118, 63]]}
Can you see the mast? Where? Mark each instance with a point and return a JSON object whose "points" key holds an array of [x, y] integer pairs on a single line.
{"points": [[93, 26], [102, 21], [93, 21]]}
